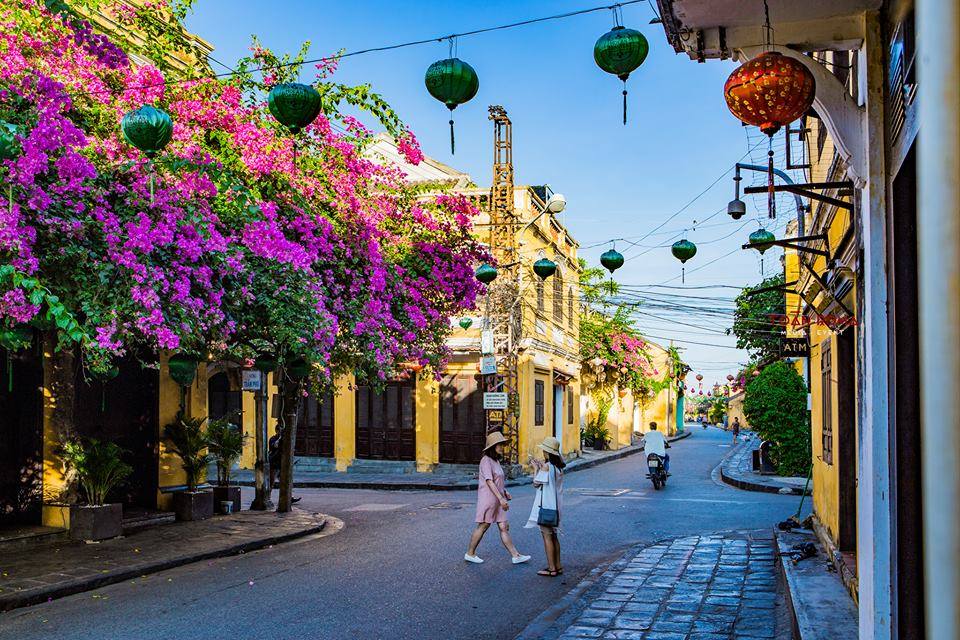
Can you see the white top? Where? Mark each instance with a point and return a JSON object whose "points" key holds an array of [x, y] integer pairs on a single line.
{"points": [[549, 493], [654, 442]]}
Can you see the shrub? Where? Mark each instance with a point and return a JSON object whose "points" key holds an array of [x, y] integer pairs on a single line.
{"points": [[775, 406], [596, 436], [98, 467], [225, 441], [190, 444]]}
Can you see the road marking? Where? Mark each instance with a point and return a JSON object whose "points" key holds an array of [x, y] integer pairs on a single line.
{"points": [[376, 506], [648, 497]]}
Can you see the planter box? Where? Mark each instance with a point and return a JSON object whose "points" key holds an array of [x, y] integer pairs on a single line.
{"points": [[226, 494], [193, 505], [96, 523]]}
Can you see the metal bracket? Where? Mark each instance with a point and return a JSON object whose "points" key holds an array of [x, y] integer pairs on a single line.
{"points": [[701, 56], [787, 132], [791, 243], [805, 189], [776, 287]]}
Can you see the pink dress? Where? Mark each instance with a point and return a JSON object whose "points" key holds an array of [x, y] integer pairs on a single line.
{"points": [[488, 507]]}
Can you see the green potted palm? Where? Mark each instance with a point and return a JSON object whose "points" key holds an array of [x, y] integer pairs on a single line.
{"points": [[225, 442], [98, 468], [189, 442]]}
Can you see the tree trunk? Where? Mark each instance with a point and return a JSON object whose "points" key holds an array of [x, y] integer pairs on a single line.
{"points": [[61, 387], [290, 393], [262, 501]]}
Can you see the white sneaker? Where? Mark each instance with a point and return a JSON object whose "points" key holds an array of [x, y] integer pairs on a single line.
{"points": [[473, 559], [521, 559]]}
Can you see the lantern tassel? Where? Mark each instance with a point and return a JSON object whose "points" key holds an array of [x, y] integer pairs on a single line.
{"points": [[624, 102], [683, 274], [771, 195], [452, 140]]}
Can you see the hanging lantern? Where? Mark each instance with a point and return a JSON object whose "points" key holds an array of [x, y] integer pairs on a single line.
{"points": [[701, 391], [299, 368], [611, 260], [756, 372], [699, 377], [761, 239], [544, 268], [619, 52], [294, 105], [729, 376], [265, 363], [622, 393], [466, 323], [148, 129], [683, 250], [183, 368], [770, 91], [452, 82], [486, 273]]}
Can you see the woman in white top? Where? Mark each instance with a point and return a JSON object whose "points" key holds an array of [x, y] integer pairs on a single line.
{"points": [[548, 478]]}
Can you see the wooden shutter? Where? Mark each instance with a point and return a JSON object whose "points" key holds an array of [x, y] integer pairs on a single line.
{"points": [[538, 411], [826, 404]]}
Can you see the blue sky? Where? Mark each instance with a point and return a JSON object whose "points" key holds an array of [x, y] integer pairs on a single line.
{"points": [[619, 181]]}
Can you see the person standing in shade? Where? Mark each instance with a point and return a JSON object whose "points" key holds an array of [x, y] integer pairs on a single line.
{"points": [[493, 501], [548, 478], [736, 429]]}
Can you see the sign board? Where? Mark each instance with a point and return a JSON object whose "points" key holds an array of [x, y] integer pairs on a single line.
{"points": [[251, 381], [495, 400], [495, 416], [486, 342], [488, 365], [794, 348]]}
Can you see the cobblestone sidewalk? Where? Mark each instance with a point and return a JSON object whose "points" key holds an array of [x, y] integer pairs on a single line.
{"points": [[36, 572], [712, 587], [737, 471]]}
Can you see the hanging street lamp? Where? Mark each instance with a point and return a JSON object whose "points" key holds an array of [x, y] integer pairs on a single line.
{"points": [[544, 268], [486, 273], [148, 129], [465, 323], [453, 82], [761, 240], [683, 250], [619, 52], [611, 260]]}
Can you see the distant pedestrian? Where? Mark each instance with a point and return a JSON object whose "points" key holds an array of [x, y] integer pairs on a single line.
{"points": [[736, 429], [547, 504], [492, 501]]}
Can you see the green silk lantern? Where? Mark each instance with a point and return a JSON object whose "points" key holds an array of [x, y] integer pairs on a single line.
{"points": [[265, 363], [183, 368], [544, 268], [294, 105], [299, 368], [683, 250], [486, 273], [619, 52], [452, 82], [466, 323], [761, 239], [148, 129], [611, 260]]}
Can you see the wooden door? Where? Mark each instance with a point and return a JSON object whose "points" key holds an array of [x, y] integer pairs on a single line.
{"points": [[224, 401], [386, 422], [463, 429], [315, 427]]}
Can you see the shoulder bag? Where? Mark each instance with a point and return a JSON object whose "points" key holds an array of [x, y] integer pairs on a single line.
{"points": [[548, 517]]}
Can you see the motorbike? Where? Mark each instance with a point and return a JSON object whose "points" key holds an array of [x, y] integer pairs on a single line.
{"points": [[656, 471]]}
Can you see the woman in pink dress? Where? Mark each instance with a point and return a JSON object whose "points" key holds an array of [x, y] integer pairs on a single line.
{"points": [[492, 501]]}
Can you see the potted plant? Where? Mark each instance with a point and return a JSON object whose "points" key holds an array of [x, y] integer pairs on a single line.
{"points": [[189, 442], [596, 436], [99, 469], [225, 442]]}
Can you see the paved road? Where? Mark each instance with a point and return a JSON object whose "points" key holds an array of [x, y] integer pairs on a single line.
{"points": [[396, 570]]}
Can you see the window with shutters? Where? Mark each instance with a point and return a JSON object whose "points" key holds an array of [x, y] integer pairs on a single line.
{"points": [[538, 403], [569, 405], [540, 304], [558, 297], [826, 403]]}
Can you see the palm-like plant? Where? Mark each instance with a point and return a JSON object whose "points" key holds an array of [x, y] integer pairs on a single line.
{"points": [[190, 444], [225, 441], [98, 466]]}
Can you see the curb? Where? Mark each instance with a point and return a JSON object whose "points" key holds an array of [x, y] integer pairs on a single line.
{"points": [[80, 586], [747, 485], [460, 486]]}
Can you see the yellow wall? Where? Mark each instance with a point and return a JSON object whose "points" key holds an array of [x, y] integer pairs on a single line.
{"points": [[428, 424], [345, 422], [735, 410]]}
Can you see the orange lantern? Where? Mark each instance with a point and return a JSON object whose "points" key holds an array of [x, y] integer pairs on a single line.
{"points": [[623, 393], [770, 91]]}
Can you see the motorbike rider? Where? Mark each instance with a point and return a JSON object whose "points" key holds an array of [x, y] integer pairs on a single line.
{"points": [[655, 442]]}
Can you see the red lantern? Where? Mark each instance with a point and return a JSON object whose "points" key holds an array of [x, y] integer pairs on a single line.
{"points": [[701, 391], [729, 376], [770, 91], [623, 393], [699, 377]]}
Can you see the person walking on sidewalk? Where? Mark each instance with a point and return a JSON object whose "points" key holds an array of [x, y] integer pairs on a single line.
{"points": [[492, 501], [548, 478], [736, 429]]}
